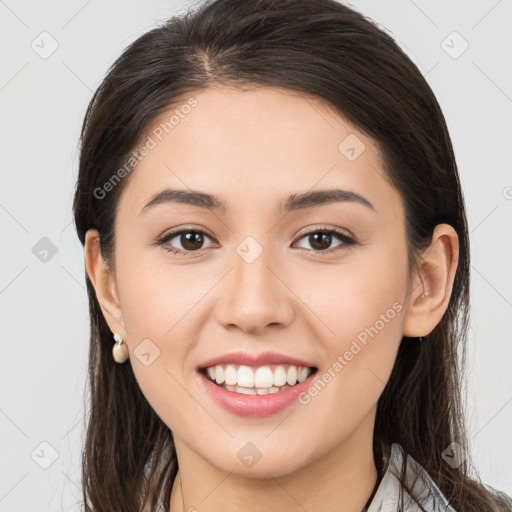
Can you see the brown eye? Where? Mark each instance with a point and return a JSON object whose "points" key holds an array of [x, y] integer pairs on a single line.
{"points": [[321, 240], [190, 240]]}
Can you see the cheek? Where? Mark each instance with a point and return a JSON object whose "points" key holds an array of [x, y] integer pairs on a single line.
{"points": [[160, 304], [157, 297], [361, 309], [360, 300]]}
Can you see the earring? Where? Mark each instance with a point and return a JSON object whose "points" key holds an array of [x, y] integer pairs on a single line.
{"points": [[119, 350]]}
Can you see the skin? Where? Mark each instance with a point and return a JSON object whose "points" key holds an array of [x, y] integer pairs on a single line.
{"points": [[253, 149]]}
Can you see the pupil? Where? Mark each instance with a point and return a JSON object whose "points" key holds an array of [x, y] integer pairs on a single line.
{"points": [[322, 240], [191, 240]]}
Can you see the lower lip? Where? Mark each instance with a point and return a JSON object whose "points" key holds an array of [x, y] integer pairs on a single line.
{"points": [[255, 405]]}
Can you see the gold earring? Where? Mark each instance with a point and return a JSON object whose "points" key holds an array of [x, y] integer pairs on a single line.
{"points": [[119, 350]]}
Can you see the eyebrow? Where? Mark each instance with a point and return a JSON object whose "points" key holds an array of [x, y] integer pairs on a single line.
{"points": [[293, 203]]}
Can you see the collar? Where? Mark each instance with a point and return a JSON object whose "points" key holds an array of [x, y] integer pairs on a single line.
{"points": [[387, 497]]}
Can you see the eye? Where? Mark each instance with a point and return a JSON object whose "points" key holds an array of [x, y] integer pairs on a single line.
{"points": [[191, 240], [321, 239]]}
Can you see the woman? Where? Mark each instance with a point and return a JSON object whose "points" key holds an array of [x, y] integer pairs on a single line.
{"points": [[277, 266]]}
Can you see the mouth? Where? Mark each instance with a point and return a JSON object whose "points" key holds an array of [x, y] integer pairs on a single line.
{"points": [[257, 380]]}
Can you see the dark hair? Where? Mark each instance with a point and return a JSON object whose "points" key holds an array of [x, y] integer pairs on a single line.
{"points": [[315, 47]]}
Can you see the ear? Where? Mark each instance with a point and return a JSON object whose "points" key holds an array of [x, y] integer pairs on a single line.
{"points": [[104, 284], [432, 285]]}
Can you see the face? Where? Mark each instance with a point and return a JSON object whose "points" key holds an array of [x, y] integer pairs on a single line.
{"points": [[322, 280]]}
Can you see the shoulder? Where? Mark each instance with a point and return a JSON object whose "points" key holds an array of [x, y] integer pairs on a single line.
{"points": [[419, 494]]}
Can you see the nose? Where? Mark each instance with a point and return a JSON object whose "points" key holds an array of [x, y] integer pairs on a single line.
{"points": [[255, 297]]}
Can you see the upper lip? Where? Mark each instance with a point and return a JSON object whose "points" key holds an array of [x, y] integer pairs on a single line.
{"points": [[244, 358]]}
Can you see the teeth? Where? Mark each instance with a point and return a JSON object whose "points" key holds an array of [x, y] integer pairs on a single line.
{"points": [[230, 376], [245, 391], [219, 374], [246, 377], [254, 391], [303, 374], [261, 380], [279, 376], [291, 375]]}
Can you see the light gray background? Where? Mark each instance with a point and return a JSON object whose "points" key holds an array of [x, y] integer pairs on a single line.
{"points": [[44, 326]]}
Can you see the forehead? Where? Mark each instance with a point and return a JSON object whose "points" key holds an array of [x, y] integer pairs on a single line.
{"points": [[256, 145]]}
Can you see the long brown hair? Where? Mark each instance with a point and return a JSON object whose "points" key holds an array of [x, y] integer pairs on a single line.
{"points": [[315, 47]]}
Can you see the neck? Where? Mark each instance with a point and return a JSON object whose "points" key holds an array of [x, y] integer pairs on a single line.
{"points": [[342, 479]]}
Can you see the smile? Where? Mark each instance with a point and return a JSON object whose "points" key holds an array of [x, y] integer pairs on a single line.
{"points": [[256, 391], [261, 380]]}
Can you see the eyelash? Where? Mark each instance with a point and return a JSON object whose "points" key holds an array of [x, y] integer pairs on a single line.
{"points": [[342, 237]]}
